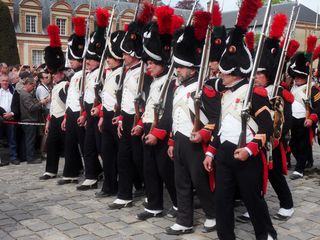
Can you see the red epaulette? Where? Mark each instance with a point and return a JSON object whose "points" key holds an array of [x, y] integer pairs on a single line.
{"points": [[260, 91], [209, 91], [287, 96]]}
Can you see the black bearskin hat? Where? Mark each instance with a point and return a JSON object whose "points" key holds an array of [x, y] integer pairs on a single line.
{"points": [[53, 55], [218, 43], [77, 41], [113, 48]]}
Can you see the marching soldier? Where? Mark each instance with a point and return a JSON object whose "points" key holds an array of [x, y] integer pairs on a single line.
{"points": [[109, 137], [304, 111], [265, 78], [75, 132], [158, 167], [92, 140], [186, 146], [240, 168], [130, 154], [55, 62]]}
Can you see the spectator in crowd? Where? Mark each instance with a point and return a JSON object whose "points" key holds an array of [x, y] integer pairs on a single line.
{"points": [[16, 68], [30, 108], [13, 80], [43, 89], [7, 114], [4, 69]]}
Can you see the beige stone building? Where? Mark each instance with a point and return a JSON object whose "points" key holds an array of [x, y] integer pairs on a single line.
{"points": [[31, 18]]}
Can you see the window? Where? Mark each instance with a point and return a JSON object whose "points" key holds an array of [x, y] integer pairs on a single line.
{"points": [[37, 57], [61, 23], [31, 24]]}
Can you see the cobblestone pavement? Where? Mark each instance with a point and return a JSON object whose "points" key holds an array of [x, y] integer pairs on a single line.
{"points": [[31, 209]]}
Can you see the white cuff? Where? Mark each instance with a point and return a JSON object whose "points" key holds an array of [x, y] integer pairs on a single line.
{"points": [[209, 154], [248, 150]]}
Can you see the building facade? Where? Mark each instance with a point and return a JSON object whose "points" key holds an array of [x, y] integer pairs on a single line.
{"points": [[31, 18]]}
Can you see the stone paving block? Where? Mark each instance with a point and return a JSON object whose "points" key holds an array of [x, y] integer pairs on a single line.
{"points": [[84, 210], [129, 219], [7, 221], [39, 226], [106, 219], [105, 232], [130, 231], [116, 225], [87, 237], [31, 237], [302, 235], [163, 236], [82, 221], [74, 206], [66, 226], [63, 212], [143, 236], [21, 233], [4, 207], [76, 232], [20, 217], [92, 227], [56, 221]]}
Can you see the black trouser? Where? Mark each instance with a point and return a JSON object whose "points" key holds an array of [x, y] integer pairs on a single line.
{"points": [[158, 168], [92, 146], [74, 144], [247, 177], [130, 160], [55, 144], [109, 153], [278, 180], [189, 174], [300, 143]]}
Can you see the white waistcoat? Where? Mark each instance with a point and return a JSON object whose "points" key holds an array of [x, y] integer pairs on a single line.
{"points": [[74, 92], [109, 89], [153, 98], [129, 91], [57, 108]]}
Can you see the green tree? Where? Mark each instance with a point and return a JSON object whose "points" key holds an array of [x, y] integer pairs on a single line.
{"points": [[8, 41]]}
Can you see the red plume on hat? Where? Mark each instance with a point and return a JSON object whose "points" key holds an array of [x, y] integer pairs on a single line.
{"points": [[216, 15], [53, 32], [311, 44], [147, 13], [292, 48], [248, 11], [250, 40], [201, 21], [316, 53], [164, 19], [102, 15], [79, 24], [177, 22], [278, 25]]}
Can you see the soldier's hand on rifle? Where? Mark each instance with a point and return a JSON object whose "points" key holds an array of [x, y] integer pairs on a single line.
{"points": [[81, 121], [95, 112], [8, 115], [207, 163], [170, 152], [136, 131], [100, 124], [151, 139], [46, 128], [308, 123], [241, 154], [63, 124], [119, 129], [195, 137]]}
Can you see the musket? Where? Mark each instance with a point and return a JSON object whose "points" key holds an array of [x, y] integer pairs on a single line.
{"points": [[118, 93], [139, 92], [316, 27], [84, 65], [192, 12], [283, 55], [202, 75], [99, 79], [245, 112]]}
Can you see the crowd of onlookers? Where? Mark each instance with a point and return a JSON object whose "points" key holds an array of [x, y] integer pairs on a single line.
{"points": [[24, 101]]}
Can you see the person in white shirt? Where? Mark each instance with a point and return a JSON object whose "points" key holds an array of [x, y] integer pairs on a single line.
{"points": [[43, 89], [7, 114]]}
